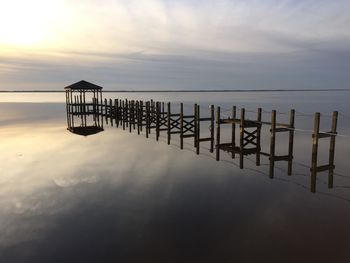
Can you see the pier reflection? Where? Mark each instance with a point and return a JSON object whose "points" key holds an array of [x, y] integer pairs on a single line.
{"points": [[83, 118]]}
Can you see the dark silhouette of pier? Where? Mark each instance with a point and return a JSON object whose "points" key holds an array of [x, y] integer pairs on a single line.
{"points": [[160, 117]]}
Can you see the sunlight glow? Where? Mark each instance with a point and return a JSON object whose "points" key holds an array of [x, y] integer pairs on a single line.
{"points": [[27, 23]]}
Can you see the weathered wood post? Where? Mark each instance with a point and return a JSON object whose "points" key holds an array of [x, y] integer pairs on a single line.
{"points": [[116, 103], [272, 143], [111, 111], [241, 139], [138, 117], [218, 122], [258, 137], [233, 132], [142, 111], [198, 128], [158, 109], [127, 113], [212, 123], [123, 114], [332, 149], [195, 125], [147, 118], [169, 122], [105, 105], [291, 141], [131, 115], [181, 125], [315, 137]]}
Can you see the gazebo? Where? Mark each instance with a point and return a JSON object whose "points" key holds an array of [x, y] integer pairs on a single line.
{"points": [[82, 100]]}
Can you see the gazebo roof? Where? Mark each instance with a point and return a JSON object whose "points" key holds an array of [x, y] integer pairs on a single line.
{"points": [[83, 85]]}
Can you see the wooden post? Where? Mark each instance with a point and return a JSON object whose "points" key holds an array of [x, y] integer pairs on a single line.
{"points": [[116, 102], [241, 139], [198, 130], [163, 113], [332, 149], [169, 122], [134, 114], [138, 118], [147, 118], [106, 111], [258, 137], [233, 135], [141, 114], [291, 140], [131, 114], [195, 125], [158, 109], [111, 111], [272, 143], [212, 120], [218, 122], [126, 112], [123, 114], [314, 151], [181, 125]]}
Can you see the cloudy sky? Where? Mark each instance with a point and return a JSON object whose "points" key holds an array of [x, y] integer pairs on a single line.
{"points": [[182, 44]]}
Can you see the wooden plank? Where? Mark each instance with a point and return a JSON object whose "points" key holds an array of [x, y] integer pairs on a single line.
{"points": [[323, 168]]}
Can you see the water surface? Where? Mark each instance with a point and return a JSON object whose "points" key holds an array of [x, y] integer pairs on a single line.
{"points": [[117, 196]]}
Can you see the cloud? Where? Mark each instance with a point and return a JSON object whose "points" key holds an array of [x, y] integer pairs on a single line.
{"points": [[188, 45]]}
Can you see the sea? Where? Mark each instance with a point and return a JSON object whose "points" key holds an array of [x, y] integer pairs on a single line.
{"points": [[117, 196]]}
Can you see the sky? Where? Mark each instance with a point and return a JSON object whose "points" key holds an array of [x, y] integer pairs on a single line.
{"points": [[177, 45]]}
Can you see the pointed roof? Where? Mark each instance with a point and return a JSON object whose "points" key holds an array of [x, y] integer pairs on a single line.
{"points": [[83, 85]]}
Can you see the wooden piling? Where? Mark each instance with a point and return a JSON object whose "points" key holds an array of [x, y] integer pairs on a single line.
{"points": [[233, 132], [147, 118], [195, 126], [315, 137], [198, 128], [138, 117], [158, 109], [241, 139], [218, 122], [212, 120], [272, 143], [181, 125], [169, 122], [258, 137], [291, 140], [142, 111], [123, 114], [111, 112], [332, 149]]}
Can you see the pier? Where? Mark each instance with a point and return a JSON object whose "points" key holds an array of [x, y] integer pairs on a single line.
{"points": [[146, 117]]}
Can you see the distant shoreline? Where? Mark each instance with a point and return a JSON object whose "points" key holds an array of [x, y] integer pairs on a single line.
{"points": [[179, 91]]}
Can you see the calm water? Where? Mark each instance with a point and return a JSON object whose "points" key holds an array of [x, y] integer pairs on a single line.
{"points": [[119, 197]]}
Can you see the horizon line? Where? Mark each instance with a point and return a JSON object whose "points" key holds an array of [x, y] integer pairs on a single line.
{"points": [[220, 90]]}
